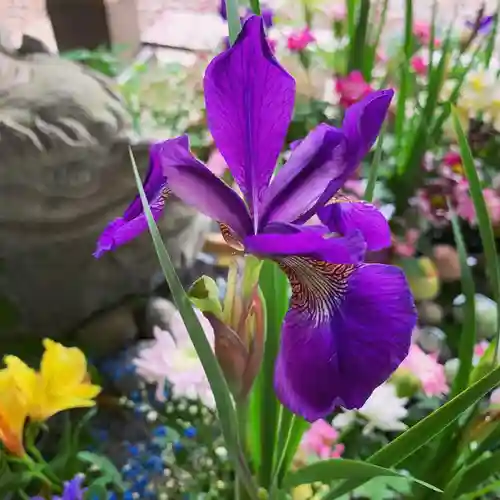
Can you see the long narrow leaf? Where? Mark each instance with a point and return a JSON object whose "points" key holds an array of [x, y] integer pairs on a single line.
{"points": [[468, 335], [483, 219], [326, 471], [233, 20], [492, 39], [218, 384], [426, 429], [373, 174], [255, 6], [274, 286]]}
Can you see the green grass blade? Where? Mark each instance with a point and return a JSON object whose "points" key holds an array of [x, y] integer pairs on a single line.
{"points": [[358, 43], [424, 431], [275, 288], [483, 219], [492, 39], [255, 6], [233, 20], [218, 384], [326, 471], [373, 174], [468, 335], [290, 444]]}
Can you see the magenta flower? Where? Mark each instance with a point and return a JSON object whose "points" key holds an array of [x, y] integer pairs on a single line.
{"points": [[298, 41], [352, 88], [349, 323], [133, 222], [419, 65]]}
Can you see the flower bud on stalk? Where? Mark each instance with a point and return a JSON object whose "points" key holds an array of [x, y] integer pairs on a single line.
{"points": [[238, 323]]}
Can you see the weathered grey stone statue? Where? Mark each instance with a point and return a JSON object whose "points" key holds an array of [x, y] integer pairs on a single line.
{"points": [[64, 173]]}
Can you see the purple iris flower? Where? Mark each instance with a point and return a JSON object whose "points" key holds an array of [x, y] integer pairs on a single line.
{"points": [[133, 222], [485, 24], [72, 490], [267, 14], [349, 324]]}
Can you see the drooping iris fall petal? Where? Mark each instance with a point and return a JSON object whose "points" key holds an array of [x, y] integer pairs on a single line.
{"points": [[249, 99], [348, 328], [133, 222]]}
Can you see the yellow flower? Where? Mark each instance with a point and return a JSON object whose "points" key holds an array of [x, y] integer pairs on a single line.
{"points": [[13, 413], [61, 384]]}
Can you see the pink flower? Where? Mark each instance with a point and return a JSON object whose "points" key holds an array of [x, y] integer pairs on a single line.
{"points": [[320, 440], [173, 358], [407, 246], [422, 32], [352, 88], [464, 205], [298, 41], [480, 348], [495, 397], [451, 166], [216, 163], [419, 65], [427, 369]]}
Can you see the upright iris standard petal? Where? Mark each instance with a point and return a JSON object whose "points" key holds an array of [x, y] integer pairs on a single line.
{"points": [[133, 222], [249, 100], [361, 126], [317, 160], [194, 184], [344, 216], [363, 121], [348, 328]]}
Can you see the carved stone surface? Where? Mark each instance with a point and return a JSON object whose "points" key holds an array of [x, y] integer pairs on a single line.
{"points": [[64, 173]]}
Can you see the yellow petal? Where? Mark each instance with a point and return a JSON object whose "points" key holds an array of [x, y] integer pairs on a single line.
{"points": [[62, 366], [23, 376], [13, 413], [63, 381]]}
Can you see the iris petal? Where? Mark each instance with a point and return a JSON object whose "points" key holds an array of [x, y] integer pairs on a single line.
{"points": [[194, 184], [305, 241], [361, 126], [348, 328], [315, 162], [133, 222], [249, 100], [343, 216]]}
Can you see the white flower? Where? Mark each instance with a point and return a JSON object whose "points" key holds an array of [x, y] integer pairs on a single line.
{"points": [[384, 410], [173, 357]]}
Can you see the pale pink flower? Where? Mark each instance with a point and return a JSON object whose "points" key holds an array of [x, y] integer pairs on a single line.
{"points": [[352, 88], [465, 205], [407, 246], [216, 163], [422, 32], [298, 41], [428, 370], [480, 348], [320, 441], [495, 397], [173, 358], [419, 65]]}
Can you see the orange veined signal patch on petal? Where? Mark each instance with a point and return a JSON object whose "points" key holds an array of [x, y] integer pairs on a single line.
{"points": [[317, 286]]}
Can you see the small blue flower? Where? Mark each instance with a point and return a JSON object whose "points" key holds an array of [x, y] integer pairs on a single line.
{"points": [[160, 431], [190, 432]]}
